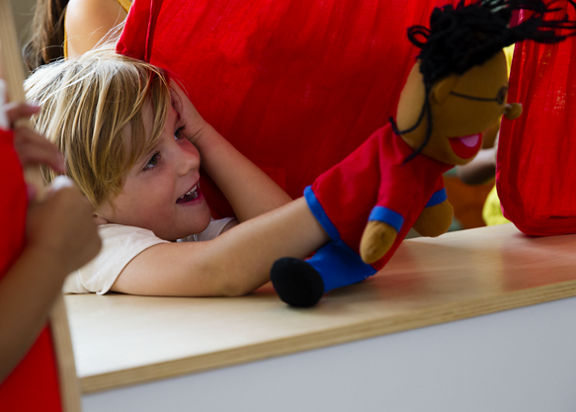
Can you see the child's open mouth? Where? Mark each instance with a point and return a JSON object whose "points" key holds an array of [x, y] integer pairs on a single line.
{"points": [[190, 195], [467, 146]]}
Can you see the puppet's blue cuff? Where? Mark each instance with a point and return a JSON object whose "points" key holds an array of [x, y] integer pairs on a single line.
{"points": [[338, 266], [336, 262], [437, 198], [320, 215], [383, 214]]}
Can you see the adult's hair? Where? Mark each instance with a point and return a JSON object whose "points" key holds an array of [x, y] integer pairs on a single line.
{"points": [[92, 110], [46, 42]]}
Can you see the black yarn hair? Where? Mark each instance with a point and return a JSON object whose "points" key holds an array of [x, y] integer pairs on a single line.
{"points": [[467, 35]]}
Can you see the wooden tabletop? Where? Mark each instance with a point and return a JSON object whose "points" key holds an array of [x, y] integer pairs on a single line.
{"points": [[122, 340]]}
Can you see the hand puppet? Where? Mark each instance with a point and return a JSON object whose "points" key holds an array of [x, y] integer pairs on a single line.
{"points": [[456, 90]]}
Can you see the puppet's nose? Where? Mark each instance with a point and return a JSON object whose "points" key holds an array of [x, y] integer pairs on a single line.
{"points": [[513, 110]]}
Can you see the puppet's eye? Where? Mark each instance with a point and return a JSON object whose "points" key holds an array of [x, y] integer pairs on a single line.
{"points": [[501, 97]]}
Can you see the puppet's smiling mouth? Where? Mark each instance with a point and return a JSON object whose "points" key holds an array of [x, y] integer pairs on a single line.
{"points": [[467, 146]]}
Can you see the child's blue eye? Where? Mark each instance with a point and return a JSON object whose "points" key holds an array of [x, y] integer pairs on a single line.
{"points": [[152, 162]]}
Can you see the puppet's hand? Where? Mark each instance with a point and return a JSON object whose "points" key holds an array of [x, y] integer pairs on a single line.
{"points": [[377, 239], [435, 220]]}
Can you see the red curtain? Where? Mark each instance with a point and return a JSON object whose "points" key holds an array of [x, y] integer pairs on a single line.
{"points": [[295, 85], [535, 183], [33, 385]]}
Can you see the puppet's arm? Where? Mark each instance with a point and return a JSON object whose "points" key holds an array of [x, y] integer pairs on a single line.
{"points": [[380, 233], [436, 217], [434, 220]]}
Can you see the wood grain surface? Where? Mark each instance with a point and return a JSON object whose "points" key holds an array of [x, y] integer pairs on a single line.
{"points": [[121, 340]]}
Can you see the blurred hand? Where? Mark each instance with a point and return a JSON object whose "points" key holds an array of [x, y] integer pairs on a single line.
{"points": [[62, 225], [32, 147]]}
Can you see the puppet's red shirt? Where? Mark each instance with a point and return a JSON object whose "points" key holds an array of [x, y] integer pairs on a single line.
{"points": [[376, 183]]}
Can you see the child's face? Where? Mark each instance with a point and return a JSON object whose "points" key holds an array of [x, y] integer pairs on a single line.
{"points": [[161, 192]]}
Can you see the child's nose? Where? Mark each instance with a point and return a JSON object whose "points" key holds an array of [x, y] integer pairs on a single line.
{"points": [[189, 159]]}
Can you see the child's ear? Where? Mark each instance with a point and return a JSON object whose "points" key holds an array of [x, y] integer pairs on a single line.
{"points": [[442, 89]]}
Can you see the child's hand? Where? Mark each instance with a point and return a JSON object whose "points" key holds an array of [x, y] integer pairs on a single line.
{"points": [[196, 129], [62, 225]]}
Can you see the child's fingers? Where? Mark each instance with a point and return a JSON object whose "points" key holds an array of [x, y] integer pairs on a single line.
{"points": [[35, 149], [15, 111]]}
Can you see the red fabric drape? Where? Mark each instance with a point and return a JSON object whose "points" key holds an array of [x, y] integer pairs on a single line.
{"points": [[33, 386], [295, 85], [535, 182]]}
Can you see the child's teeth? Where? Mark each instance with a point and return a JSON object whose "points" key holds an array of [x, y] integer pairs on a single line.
{"points": [[191, 194]]}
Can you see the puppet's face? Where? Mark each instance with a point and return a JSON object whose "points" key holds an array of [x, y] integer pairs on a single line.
{"points": [[462, 108]]}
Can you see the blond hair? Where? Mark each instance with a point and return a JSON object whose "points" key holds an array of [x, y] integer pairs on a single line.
{"points": [[92, 109]]}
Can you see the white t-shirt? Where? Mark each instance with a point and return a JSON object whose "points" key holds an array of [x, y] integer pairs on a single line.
{"points": [[121, 244]]}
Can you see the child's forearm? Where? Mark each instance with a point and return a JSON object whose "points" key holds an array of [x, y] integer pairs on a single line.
{"points": [[235, 263], [245, 254], [249, 190], [27, 293]]}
